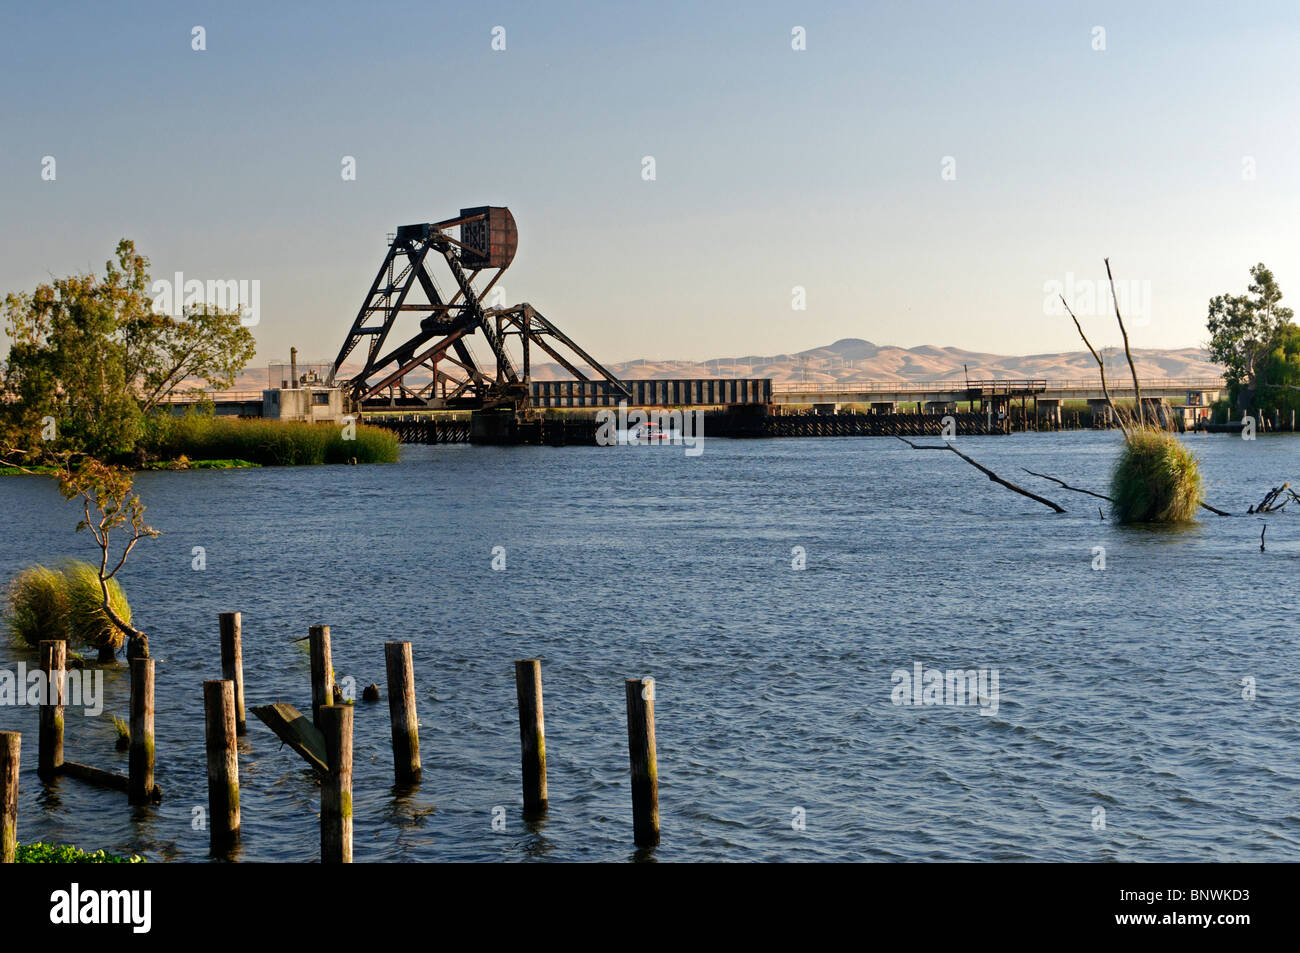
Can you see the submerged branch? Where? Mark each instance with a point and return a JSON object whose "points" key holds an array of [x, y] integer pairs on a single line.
{"points": [[1100, 496], [987, 472]]}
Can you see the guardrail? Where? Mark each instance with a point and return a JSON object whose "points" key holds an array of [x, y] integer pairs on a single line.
{"points": [[1121, 385], [1124, 384], [216, 396]]}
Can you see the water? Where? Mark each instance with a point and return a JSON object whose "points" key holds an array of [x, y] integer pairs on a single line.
{"points": [[1118, 689]]}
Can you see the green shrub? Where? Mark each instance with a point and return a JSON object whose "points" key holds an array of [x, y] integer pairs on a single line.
{"points": [[37, 604], [268, 442], [39, 853], [1156, 480], [87, 622]]}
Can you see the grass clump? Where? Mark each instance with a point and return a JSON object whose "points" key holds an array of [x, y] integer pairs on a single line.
{"points": [[266, 442], [40, 853], [65, 604], [37, 604], [87, 622], [123, 731], [1156, 480]]}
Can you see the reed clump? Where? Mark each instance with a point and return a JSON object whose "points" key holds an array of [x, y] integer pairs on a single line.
{"points": [[36, 603], [87, 622], [65, 604], [1156, 479], [266, 442]]}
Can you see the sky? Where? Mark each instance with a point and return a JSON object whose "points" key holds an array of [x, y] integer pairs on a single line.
{"points": [[926, 173]]}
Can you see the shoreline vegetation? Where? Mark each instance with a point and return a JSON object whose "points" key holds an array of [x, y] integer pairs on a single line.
{"points": [[42, 853], [234, 441], [204, 442]]}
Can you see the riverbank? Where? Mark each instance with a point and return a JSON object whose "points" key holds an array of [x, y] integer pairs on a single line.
{"points": [[265, 442], [204, 442]]}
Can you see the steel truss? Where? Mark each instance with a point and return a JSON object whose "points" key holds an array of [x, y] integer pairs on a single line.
{"points": [[437, 360]]}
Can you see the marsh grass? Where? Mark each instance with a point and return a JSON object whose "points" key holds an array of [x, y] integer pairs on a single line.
{"points": [[65, 604], [87, 622], [123, 731], [37, 605], [267, 442], [1156, 479]]}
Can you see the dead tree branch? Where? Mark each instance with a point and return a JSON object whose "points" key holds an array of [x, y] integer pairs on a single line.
{"points": [[1101, 366], [1137, 388], [1076, 489], [987, 472]]}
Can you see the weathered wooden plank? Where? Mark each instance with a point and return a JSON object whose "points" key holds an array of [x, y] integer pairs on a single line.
{"points": [[105, 779], [296, 730]]}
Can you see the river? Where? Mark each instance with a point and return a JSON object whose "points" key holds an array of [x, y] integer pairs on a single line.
{"points": [[1119, 730]]}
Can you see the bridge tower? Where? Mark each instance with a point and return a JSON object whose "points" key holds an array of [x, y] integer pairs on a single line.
{"points": [[434, 367]]}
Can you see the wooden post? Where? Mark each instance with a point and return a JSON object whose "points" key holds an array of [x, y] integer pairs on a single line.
{"points": [[223, 765], [322, 672], [232, 663], [49, 758], [532, 733], [336, 787], [401, 712], [140, 757], [10, 748], [645, 768]]}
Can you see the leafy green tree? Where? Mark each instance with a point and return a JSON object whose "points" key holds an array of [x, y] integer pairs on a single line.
{"points": [[1246, 332], [208, 344], [67, 363], [92, 355], [1282, 373]]}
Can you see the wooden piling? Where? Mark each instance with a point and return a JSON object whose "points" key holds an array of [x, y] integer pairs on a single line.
{"points": [[232, 663], [141, 756], [645, 767], [402, 713], [49, 758], [10, 749], [532, 733], [322, 672], [336, 787], [219, 719]]}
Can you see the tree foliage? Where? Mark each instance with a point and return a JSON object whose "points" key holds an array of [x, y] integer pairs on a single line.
{"points": [[92, 355], [1249, 336]]}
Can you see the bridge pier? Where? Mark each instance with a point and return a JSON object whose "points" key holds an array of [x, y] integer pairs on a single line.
{"points": [[884, 407], [1155, 410], [940, 407], [826, 408], [1100, 411], [1049, 409]]}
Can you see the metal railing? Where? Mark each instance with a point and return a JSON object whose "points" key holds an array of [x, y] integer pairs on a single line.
{"points": [[1121, 385], [216, 396], [1124, 384]]}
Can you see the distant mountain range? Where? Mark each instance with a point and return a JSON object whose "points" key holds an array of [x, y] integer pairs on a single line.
{"points": [[853, 359], [856, 359]]}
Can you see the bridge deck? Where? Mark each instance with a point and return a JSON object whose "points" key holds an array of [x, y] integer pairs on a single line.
{"points": [[890, 392], [723, 391]]}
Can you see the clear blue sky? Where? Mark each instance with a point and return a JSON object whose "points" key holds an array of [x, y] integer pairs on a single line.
{"points": [[775, 168]]}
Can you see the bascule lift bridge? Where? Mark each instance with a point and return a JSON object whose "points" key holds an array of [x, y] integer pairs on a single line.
{"points": [[436, 280]]}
